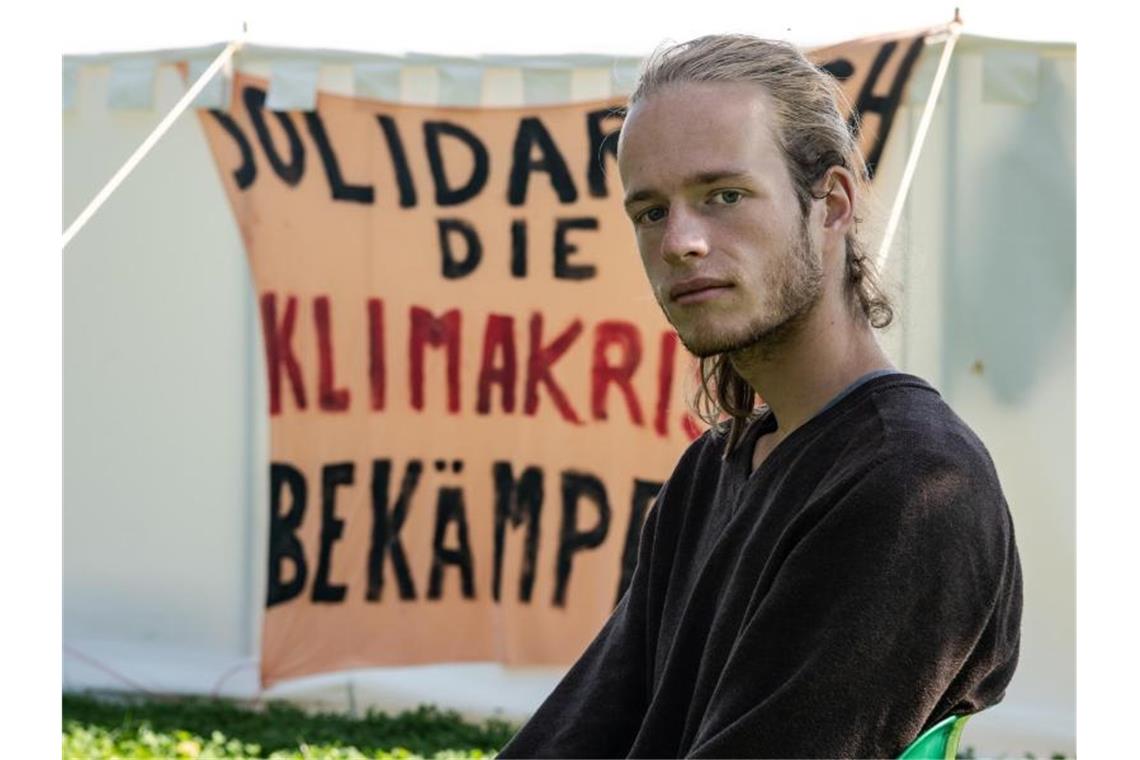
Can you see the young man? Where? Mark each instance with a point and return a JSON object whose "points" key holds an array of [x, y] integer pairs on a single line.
{"points": [[828, 574]]}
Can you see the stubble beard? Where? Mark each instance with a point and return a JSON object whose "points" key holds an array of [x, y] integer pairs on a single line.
{"points": [[796, 287]]}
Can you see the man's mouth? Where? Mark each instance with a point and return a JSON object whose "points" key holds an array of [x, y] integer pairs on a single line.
{"points": [[698, 289]]}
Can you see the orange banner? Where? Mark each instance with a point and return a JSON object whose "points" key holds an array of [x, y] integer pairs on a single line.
{"points": [[473, 395]]}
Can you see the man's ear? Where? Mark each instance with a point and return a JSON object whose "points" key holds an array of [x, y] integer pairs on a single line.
{"points": [[837, 191]]}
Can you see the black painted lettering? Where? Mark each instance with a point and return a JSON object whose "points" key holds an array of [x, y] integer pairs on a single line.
{"points": [[563, 249], [602, 144], [399, 161], [386, 528], [575, 486], [518, 248], [283, 541], [840, 68], [290, 173], [332, 477], [884, 105], [532, 133], [644, 492], [244, 174], [454, 267], [516, 503], [449, 509], [445, 194], [341, 190]]}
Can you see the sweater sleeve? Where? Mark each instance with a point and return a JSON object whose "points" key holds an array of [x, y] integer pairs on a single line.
{"points": [[898, 605], [597, 708]]}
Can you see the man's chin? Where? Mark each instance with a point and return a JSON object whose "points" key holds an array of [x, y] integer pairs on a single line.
{"points": [[760, 339], [705, 346]]}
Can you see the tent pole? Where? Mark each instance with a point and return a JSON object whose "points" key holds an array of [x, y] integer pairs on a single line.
{"points": [[151, 140], [955, 30]]}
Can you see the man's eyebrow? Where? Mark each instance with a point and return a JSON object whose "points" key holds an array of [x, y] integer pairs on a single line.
{"points": [[700, 178]]}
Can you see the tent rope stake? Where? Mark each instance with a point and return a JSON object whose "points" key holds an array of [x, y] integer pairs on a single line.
{"points": [[151, 140], [955, 29]]}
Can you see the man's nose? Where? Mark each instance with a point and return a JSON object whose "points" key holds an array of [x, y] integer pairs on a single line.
{"points": [[685, 236]]}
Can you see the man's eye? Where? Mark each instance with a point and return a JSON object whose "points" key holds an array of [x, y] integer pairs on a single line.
{"points": [[650, 215], [729, 197]]}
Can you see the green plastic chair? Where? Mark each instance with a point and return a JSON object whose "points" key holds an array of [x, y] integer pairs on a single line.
{"points": [[939, 742]]}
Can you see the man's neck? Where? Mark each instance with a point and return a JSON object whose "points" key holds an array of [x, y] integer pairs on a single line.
{"points": [[828, 350]]}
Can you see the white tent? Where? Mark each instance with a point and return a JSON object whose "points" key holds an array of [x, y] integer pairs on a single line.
{"points": [[165, 444]]}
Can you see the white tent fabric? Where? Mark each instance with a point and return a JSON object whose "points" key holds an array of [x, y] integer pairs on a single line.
{"points": [[165, 442], [295, 76]]}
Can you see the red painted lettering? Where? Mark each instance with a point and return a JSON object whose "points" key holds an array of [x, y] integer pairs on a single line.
{"points": [[664, 382], [376, 368], [331, 398], [279, 350], [538, 365], [625, 336], [433, 331], [498, 335], [690, 426]]}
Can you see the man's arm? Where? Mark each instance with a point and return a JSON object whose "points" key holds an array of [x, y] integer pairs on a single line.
{"points": [[899, 606]]}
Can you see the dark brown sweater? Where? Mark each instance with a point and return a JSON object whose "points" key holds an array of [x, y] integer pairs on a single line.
{"points": [[860, 585]]}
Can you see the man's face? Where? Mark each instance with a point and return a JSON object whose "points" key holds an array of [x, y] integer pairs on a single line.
{"points": [[724, 244]]}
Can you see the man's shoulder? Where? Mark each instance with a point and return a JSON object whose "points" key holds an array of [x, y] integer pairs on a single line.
{"points": [[902, 418], [925, 426], [911, 460], [904, 441]]}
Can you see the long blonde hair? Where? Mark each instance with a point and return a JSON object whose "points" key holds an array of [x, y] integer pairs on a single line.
{"points": [[813, 135]]}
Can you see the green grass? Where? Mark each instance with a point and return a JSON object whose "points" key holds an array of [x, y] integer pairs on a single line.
{"points": [[203, 728]]}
